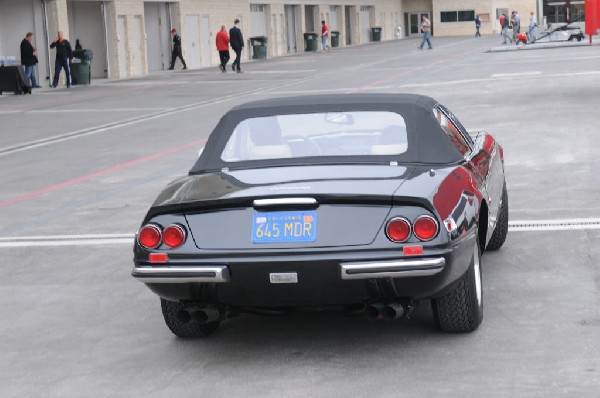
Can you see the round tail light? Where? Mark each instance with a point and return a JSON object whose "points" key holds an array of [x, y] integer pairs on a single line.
{"points": [[426, 228], [150, 236], [398, 229], [174, 236]]}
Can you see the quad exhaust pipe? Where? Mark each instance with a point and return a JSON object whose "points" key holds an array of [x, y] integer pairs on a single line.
{"points": [[201, 315], [389, 312]]}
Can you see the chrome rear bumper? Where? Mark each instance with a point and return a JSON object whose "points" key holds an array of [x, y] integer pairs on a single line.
{"points": [[181, 274], [392, 268]]}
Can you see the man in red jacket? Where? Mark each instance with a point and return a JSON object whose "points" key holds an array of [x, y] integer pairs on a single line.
{"points": [[223, 47]]}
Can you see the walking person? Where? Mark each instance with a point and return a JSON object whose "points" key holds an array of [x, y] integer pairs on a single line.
{"points": [[236, 39], [532, 25], [176, 50], [29, 59], [223, 48], [505, 25], [64, 57], [324, 36], [425, 28], [477, 25], [516, 23]]}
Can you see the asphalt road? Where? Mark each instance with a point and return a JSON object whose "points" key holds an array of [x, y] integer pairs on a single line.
{"points": [[80, 167]]}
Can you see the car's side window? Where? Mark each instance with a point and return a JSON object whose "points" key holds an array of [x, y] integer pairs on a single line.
{"points": [[458, 124], [452, 131]]}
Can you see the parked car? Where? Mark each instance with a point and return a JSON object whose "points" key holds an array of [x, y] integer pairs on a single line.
{"points": [[367, 202], [560, 33]]}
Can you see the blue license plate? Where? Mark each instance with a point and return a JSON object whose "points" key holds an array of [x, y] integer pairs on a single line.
{"points": [[284, 226]]}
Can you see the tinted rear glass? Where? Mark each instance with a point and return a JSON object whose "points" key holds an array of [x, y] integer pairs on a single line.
{"points": [[317, 134]]}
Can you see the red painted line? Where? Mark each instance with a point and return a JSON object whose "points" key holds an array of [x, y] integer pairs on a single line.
{"points": [[88, 177]]}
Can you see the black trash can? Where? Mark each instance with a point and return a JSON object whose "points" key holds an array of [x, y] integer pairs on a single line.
{"points": [[81, 72], [335, 38], [311, 42], [376, 34], [259, 47]]}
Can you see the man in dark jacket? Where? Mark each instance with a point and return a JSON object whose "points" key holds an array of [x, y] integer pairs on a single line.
{"points": [[64, 56], [176, 50], [236, 40], [29, 59]]}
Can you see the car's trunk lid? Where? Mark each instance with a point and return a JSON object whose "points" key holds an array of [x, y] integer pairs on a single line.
{"points": [[343, 205]]}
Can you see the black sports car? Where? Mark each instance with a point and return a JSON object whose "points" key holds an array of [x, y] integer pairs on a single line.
{"points": [[353, 202]]}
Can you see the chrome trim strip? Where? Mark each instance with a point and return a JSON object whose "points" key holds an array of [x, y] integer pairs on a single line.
{"points": [[285, 201], [181, 274], [392, 268]]}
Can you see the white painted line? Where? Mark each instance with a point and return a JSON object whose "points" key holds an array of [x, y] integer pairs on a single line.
{"points": [[587, 73], [564, 221], [333, 90], [94, 242], [281, 71], [66, 237], [553, 228], [99, 110], [499, 78], [518, 74]]}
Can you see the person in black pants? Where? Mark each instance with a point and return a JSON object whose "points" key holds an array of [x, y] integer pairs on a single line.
{"points": [[236, 40], [64, 56], [176, 50]]}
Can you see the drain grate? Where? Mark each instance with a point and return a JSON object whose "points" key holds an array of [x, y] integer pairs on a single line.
{"points": [[554, 225]]}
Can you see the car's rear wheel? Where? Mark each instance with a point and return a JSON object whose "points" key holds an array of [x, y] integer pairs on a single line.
{"points": [[190, 329], [574, 38], [461, 309], [501, 230]]}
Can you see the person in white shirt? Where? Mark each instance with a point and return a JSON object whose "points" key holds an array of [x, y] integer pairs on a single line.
{"points": [[425, 28]]}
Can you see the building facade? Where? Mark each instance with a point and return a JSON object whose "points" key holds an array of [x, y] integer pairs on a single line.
{"points": [[131, 38]]}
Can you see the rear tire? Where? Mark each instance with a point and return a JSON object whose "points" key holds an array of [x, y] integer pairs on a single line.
{"points": [[520, 42], [461, 309], [501, 230], [190, 329]]}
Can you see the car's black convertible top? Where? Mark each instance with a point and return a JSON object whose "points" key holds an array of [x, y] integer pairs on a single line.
{"points": [[427, 141]]}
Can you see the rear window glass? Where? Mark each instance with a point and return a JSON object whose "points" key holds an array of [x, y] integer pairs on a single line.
{"points": [[317, 134]]}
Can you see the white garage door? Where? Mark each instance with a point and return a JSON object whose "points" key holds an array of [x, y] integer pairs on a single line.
{"points": [[258, 20], [365, 24]]}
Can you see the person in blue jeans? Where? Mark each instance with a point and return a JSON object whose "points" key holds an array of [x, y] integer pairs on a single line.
{"points": [[324, 36], [29, 59], [425, 28]]}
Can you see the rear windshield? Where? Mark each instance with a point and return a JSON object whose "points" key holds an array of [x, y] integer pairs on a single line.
{"points": [[317, 134]]}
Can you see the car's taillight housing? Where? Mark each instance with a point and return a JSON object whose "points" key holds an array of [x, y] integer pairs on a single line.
{"points": [[425, 228], [398, 229], [150, 236], [174, 236]]}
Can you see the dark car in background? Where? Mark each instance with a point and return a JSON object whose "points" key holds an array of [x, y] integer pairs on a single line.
{"points": [[365, 202]]}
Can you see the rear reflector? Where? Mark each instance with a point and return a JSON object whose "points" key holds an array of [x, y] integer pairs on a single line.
{"points": [[413, 250], [159, 258], [398, 229]]}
